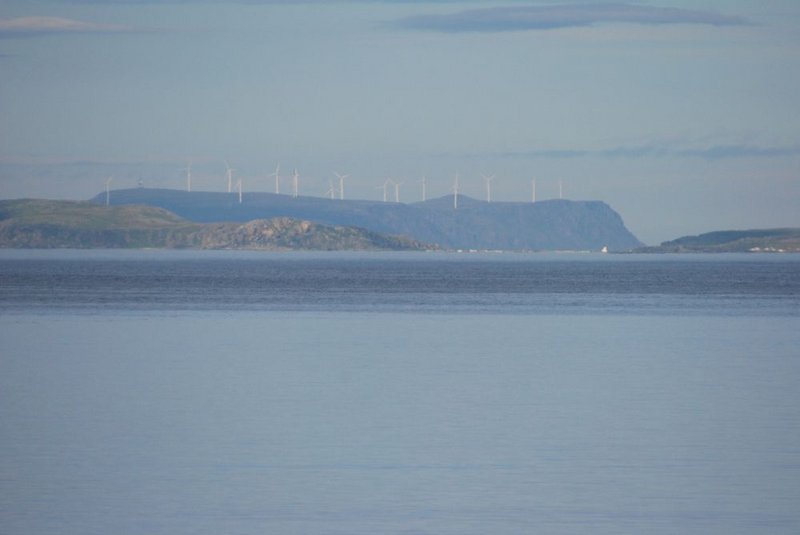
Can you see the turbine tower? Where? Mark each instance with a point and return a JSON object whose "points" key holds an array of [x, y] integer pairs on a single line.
{"points": [[341, 185], [533, 190], [239, 185], [229, 175], [188, 169], [277, 175], [385, 185], [295, 183], [455, 193], [397, 190], [424, 188], [488, 180], [108, 190]]}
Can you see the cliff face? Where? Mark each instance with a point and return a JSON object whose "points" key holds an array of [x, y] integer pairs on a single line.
{"points": [[62, 224], [546, 225]]}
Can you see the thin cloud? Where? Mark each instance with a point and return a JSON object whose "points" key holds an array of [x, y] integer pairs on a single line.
{"points": [[716, 152], [32, 26], [741, 151], [521, 18]]}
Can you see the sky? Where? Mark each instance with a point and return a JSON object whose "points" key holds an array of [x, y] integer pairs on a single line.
{"points": [[684, 116]]}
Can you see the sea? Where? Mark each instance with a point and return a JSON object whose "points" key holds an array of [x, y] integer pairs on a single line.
{"points": [[231, 392]]}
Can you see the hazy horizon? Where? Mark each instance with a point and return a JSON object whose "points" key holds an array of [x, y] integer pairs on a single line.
{"points": [[682, 116]]}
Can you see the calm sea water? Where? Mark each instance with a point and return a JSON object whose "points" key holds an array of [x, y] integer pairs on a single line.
{"points": [[238, 393]]}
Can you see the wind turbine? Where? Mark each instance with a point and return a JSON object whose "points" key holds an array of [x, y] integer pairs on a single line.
{"points": [[424, 188], [455, 193], [397, 190], [277, 176], [239, 184], [533, 190], [341, 185], [108, 190], [229, 174], [488, 180], [295, 183], [385, 185], [330, 192], [188, 169]]}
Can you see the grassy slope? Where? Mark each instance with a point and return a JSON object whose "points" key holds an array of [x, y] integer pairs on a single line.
{"points": [[87, 216], [730, 241], [48, 224]]}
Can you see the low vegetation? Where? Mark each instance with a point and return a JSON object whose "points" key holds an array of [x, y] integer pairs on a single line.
{"points": [[733, 241], [66, 224]]}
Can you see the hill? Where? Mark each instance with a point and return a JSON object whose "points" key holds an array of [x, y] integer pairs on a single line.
{"points": [[733, 241], [545, 225], [68, 224]]}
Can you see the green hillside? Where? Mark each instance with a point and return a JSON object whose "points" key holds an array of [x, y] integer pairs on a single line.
{"points": [[85, 215], [66, 224], [733, 241]]}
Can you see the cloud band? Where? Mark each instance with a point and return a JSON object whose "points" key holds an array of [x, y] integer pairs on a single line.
{"points": [[716, 152], [29, 26], [520, 18]]}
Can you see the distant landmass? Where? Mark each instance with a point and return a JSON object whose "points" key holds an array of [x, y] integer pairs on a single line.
{"points": [[70, 224], [139, 218], [544, 225], [733, 241]]}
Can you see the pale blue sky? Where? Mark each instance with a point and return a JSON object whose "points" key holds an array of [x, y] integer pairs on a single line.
{"points": [[683, 116]]}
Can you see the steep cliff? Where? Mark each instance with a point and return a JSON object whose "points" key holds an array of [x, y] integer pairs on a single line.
{"points": [[546, 225]]}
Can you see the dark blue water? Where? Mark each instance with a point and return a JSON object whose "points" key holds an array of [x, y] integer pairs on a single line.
{"points": [[223, 392], [573, 284]]}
